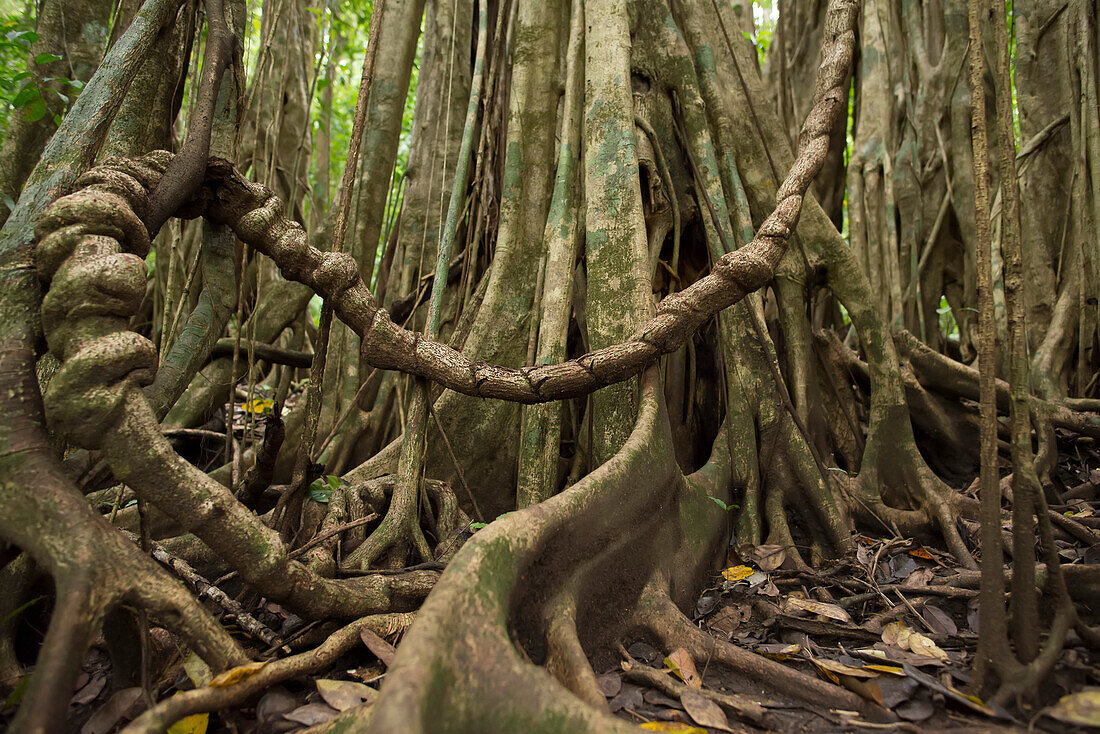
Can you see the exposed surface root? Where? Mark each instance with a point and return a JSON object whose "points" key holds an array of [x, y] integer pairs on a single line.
{"points": [[167, 712], [664, 620]]}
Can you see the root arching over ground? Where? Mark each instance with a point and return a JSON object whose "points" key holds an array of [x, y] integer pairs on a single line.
{"points": [[658, 300]]}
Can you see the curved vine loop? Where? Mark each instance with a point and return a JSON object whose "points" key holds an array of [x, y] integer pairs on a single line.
{"points": [[95, 240], [256, 215]]}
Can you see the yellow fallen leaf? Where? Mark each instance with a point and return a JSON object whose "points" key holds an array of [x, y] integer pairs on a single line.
{"points": [[920, 552], [778, 651], [258, 405], [736, 573], [194, 724], [872, 652], [236, 675], [197, 670], [922, 645], [887, 669], [672, 726], [897, 634], [842, 669]]}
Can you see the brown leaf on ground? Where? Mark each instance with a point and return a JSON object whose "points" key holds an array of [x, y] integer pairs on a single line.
{"points": [[1078, 709], [610, 684], [345, 694], [703, 711], [683, 667], [832, 611], [629, 698], [311, 714], [383, 650]]}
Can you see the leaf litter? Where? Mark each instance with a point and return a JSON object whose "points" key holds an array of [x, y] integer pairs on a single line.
{"points": [[896, 623]]}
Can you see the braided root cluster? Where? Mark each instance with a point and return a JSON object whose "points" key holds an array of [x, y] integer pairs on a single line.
{"points": [[90, 254], [91, 246]]}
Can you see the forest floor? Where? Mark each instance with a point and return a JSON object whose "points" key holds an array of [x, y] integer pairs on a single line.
{"points": [[896, 622]]}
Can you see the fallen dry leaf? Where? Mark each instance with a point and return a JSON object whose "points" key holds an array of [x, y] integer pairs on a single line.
{"points": [[1078, 709], [703, 711], [683, 667], [896, 634], [237, 674], [629, 698], [736, 573], [922, 645], [939, 620], [197, 670], [382, 650], [887, 669], [656, 698], [920, 552], [610, 684], [842, 669], [345, 694], [729, 618], [90, 691], [778, 650], [674, 727], [122, 703], [194, 724], [916, 709], [768, 557], [832, 611], [311, 714]]}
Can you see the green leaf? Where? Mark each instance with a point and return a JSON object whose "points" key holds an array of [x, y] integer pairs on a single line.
{"points": [[46, 58], [36, 110], [26, 95], [24, 38], [8, 202], [318, 492], [334, 481], [477, 525], [20, 609], [719, 502]]}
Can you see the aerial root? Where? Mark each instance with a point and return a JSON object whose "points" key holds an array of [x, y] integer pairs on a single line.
{"points": [[167, 712]]}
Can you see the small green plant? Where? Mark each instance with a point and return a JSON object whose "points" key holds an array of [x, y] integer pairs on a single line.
{"points": [[723, 505], [480, 525], [322, 488], [22, 90]]}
